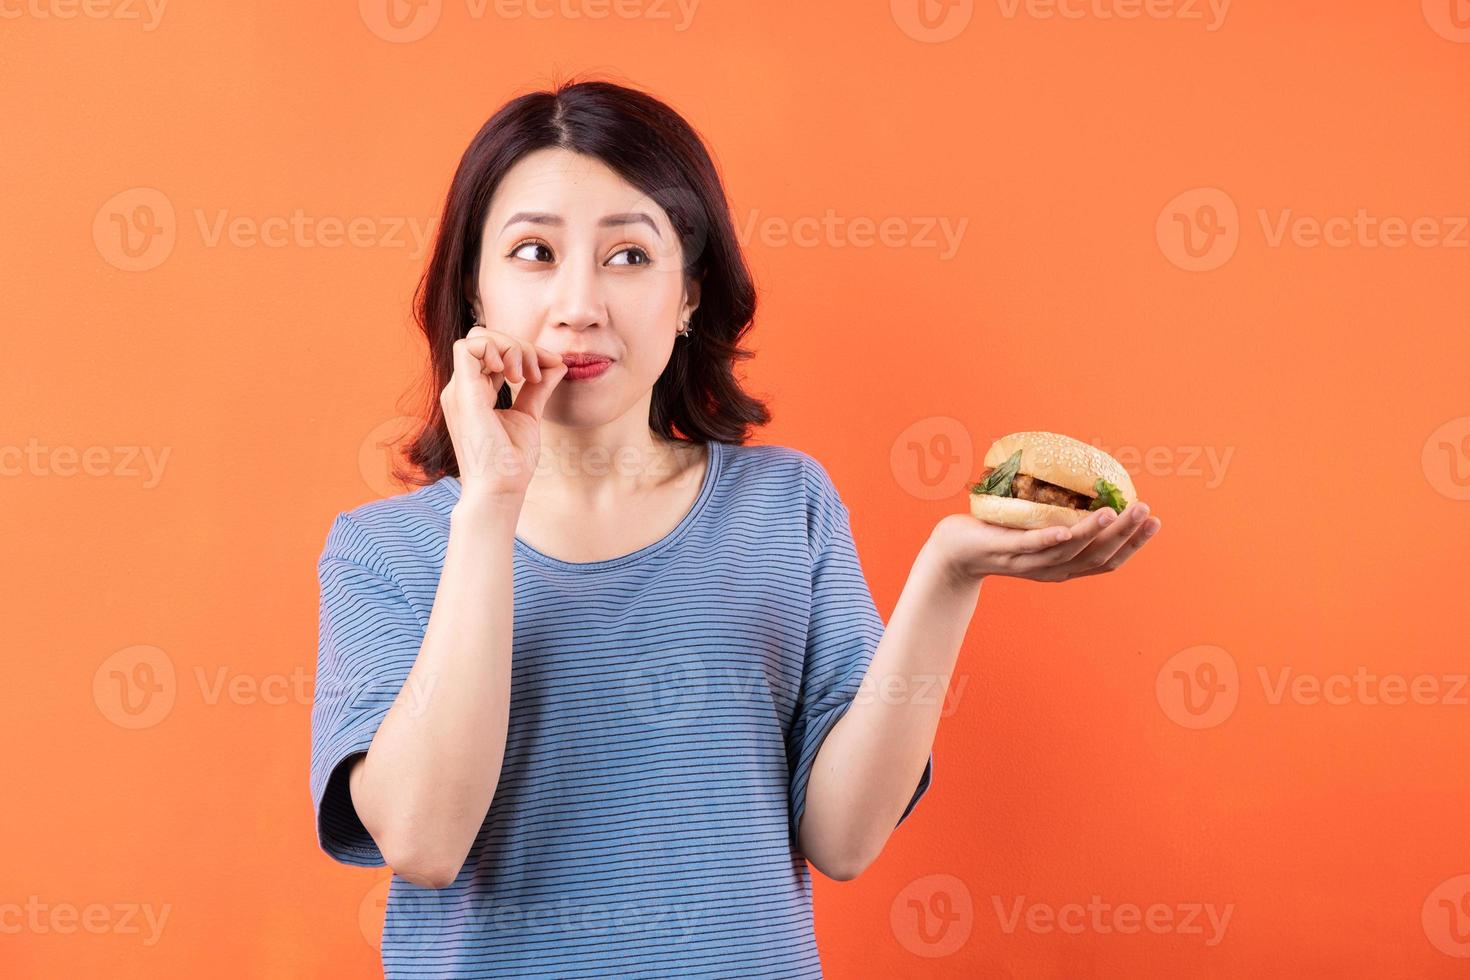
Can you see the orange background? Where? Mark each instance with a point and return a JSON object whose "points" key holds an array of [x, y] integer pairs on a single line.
{"points": [[1333, 377]]}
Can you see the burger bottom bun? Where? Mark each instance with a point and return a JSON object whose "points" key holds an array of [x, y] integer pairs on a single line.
{"points": [[1026, 514]]}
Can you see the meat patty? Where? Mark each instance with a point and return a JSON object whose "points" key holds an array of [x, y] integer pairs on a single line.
{"points": [[1030, 488]]}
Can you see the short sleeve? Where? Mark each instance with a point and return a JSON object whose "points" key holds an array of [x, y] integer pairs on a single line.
{"points": [[368, 638], [842, 635]]}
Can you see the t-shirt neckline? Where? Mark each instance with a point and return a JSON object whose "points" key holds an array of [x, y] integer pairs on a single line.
{"points": [[706, 490]]}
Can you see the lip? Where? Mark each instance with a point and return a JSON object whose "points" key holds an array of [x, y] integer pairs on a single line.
{"points": [[584, 359], [585, 366]]}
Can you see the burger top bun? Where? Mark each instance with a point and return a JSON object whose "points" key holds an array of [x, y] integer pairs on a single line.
{"points": [[1062, 460]]}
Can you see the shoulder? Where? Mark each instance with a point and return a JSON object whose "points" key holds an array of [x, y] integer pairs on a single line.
{"points": [[776, 466], [791, 480], [381, 534]]}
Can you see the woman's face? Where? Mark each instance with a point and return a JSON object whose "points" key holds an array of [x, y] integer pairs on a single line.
{"points": [[577, 260]]}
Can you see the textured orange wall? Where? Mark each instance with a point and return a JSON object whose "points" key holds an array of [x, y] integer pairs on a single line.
{"points": [[986, 204]]}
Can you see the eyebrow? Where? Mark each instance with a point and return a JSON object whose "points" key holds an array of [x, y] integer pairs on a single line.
{"points": [[611, 221]]}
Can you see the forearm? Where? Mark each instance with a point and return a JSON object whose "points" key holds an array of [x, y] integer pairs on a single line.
{"points": [[870, 762], [426, 783]]}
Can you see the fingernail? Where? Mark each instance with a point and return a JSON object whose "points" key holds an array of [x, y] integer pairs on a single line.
{"points": [[1105, 520]]}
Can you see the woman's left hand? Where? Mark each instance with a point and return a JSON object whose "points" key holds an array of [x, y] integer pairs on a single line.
{"points": [[1101, 542]]}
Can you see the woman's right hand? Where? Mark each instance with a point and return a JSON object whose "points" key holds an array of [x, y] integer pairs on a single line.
{"points": [[497, 449]]}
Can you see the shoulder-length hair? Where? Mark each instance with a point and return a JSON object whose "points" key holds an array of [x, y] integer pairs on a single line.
{"points": [[648, 144]]}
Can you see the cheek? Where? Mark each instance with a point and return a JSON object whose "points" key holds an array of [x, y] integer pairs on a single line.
{"points": [[648, 307], [512, 308], [646, 330]]}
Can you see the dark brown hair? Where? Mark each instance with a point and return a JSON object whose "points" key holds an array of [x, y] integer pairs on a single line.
{"points": [[648, 144]]}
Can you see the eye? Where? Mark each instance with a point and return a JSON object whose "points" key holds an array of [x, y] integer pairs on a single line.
{"points": [[632, 250], [514, 253]]}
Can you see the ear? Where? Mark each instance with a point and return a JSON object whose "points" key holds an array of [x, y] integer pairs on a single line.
{"points": [[471, 289], [692, 293]]}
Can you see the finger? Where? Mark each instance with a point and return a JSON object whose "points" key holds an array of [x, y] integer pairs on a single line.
{"points": [[466, 364], [483, 347], [1098, 532], [1081, 536], [531, 360], [1054, 544], [532, 396], [466, 367], [1036, 540], [1141, 536], [515, 371], [1107, 543]]}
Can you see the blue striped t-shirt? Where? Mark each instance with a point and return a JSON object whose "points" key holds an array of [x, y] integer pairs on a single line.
{"points": [[666, 708]]}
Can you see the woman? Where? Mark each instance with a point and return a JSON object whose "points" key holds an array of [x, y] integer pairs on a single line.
{"points": [[574, 688]]}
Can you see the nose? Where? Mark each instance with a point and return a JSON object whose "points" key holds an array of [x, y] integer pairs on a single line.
{"points": [[576, 299]]}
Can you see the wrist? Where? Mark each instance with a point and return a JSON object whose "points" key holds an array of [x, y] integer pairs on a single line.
{"points": [[939, 563], [491, 511]]}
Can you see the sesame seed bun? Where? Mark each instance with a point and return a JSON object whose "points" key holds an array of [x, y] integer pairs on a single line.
{"points": [[1054, 458]]}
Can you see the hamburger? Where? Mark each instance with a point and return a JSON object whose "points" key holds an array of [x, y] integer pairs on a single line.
{"points": [[1038, 479]]}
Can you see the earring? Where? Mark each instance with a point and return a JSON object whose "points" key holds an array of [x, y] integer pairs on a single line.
{"points": [[687, 328]]}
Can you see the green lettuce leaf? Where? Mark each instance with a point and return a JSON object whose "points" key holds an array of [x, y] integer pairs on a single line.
{"points": [[1107, 496], [999, 481]]}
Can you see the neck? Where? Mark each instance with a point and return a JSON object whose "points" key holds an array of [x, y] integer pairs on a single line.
{"points": [[600, 465]]}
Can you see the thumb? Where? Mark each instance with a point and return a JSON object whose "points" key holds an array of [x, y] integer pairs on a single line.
{"points": [[532, 396]]}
